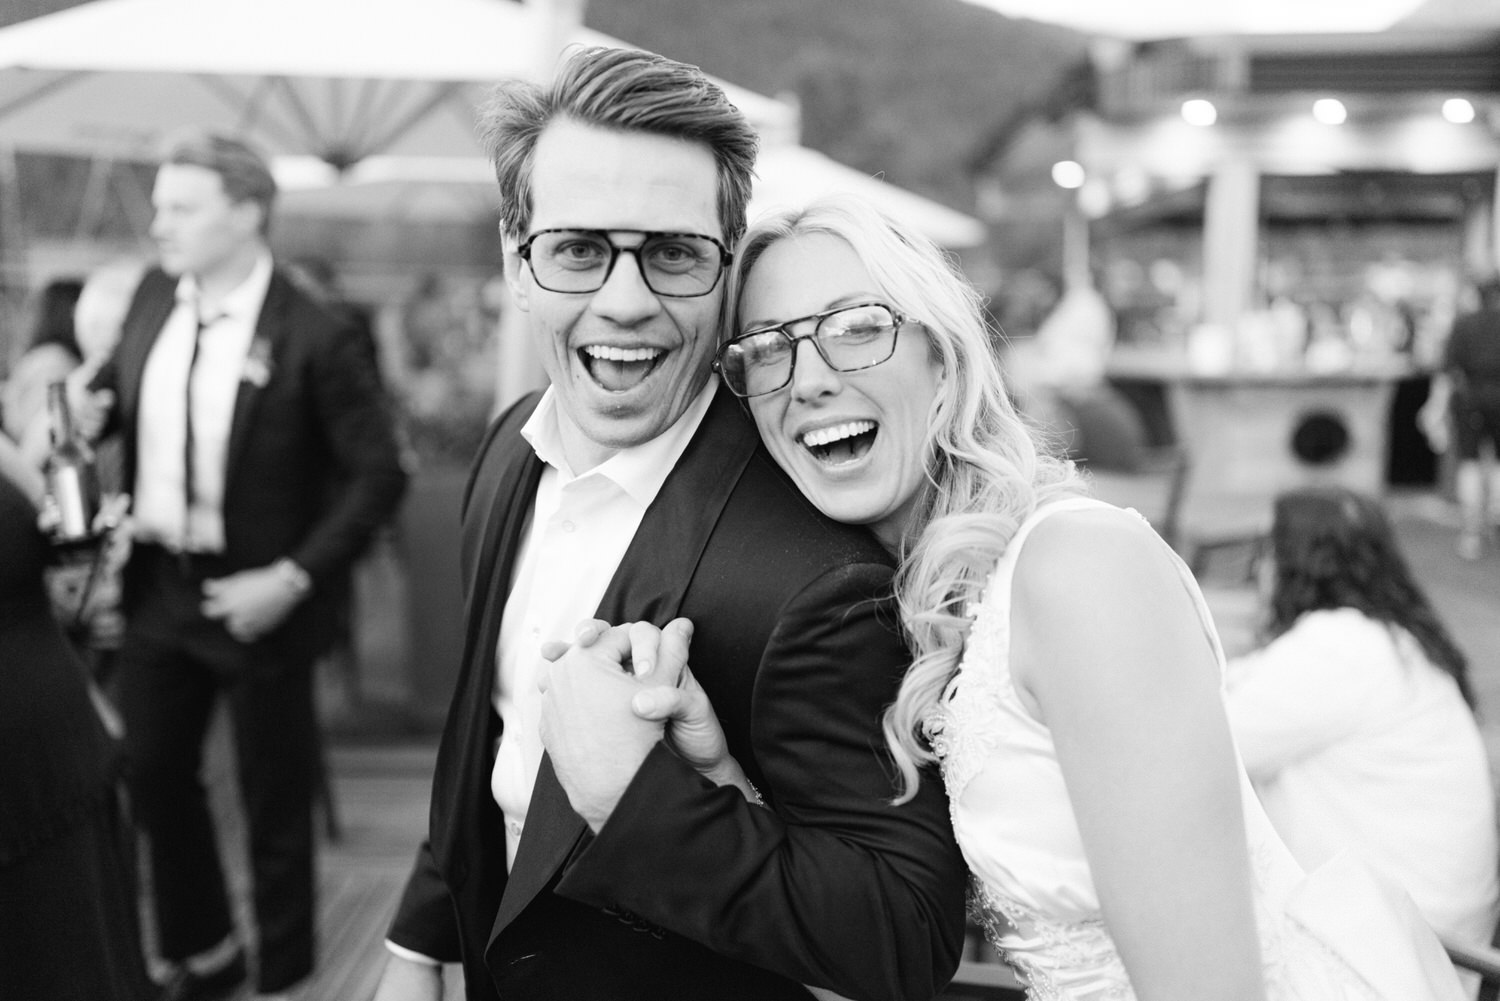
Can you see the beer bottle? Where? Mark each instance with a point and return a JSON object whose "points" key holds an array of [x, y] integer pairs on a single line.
{"points": [[72, 481]]}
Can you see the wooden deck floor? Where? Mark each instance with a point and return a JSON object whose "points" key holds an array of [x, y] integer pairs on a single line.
{"points": [[380, 792]]}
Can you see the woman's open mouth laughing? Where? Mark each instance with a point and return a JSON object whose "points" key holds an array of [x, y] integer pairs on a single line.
{"points": [[842, 443]]}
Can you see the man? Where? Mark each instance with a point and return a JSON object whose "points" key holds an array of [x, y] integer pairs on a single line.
{"points": [[1465, 400], [633, 490], [261, 455]]}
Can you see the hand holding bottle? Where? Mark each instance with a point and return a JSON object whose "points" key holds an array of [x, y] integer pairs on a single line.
{"points": [[90, 408]]}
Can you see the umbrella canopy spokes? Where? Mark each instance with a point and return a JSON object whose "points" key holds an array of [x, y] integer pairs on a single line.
{"points": [[30, 92], [341, 121]]}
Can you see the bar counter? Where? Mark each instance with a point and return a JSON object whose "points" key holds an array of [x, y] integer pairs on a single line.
{"points": [[1239, 428]]}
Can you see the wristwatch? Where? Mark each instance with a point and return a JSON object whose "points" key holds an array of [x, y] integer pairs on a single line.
{"points": [[293, 576]]}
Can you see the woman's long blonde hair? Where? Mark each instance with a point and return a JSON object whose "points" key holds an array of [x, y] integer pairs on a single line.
{"points": [[986, 471]]}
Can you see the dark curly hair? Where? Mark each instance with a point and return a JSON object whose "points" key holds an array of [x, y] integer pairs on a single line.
{"points": [[1335, 548]]}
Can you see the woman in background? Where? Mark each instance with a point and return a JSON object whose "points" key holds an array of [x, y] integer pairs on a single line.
{"points": [[51, 353], [1355, 719]]}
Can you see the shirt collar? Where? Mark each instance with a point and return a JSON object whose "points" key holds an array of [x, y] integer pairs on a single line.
{"points": [[243, 301], [639, 470]]}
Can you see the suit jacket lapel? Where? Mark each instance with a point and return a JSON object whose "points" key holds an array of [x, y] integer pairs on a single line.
{"points": [[157, 300], [496, 511], [649, 585], [271, 332], [509, 493], [656, 569]]}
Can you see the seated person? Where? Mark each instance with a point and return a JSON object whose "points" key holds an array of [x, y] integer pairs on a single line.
{"points": [[1355, 719]]}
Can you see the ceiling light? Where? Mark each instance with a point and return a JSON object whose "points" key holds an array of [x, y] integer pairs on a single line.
{"points": [[1199, 112], [1329, 111], [1068, 174], [1458, 111]]}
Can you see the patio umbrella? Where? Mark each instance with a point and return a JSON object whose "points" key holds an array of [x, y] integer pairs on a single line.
{"points": [[340, 80], [791, 175], [452, 189]]}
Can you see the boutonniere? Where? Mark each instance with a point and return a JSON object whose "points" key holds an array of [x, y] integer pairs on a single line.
{"points": [[258, 367]]}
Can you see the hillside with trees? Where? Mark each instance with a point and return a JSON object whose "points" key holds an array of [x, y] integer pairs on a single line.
{"points": [[910, 89]]}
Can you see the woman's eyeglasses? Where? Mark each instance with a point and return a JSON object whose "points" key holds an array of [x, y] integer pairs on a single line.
{"points": [[848, 339]]}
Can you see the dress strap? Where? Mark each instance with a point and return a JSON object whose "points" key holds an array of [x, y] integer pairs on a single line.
{"points": [[998, 591]]}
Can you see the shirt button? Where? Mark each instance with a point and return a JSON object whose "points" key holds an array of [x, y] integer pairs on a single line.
{"points": [[568, 526], [514, 827]]}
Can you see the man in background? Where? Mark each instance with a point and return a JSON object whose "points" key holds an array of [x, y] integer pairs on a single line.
{"points": [[259, 449], [1463, 411]]}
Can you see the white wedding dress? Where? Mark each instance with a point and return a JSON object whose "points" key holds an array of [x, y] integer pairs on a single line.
{"points": [[1337, 935]]}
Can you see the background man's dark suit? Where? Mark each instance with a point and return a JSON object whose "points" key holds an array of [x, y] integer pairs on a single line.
{"points": [[312, 471], [796, 644]]}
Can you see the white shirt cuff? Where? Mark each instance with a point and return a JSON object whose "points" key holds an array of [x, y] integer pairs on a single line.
{"points": [[415, 957]]}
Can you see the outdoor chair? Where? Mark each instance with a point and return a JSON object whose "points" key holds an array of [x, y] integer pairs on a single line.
{"points": [[1154, 485], [981, 975], [983, 980], [1108, 439]]}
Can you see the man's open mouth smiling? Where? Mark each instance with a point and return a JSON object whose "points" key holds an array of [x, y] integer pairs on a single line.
{"points": [[619, 369], [840, 443]]}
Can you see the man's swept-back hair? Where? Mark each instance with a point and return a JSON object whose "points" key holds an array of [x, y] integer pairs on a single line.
{"points": [[244, 172], [621, 89]]}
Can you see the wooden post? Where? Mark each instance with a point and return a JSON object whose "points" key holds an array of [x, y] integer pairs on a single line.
{"points": [[1231, 236], [518, 369], [14, 267], [1075, 247]]}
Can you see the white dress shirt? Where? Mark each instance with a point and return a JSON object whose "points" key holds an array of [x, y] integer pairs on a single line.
{"points": [[1354, 740], [161, 427], [579, 530]]}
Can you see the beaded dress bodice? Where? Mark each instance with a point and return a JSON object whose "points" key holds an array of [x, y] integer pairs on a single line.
{"points": [[1031, 889]]}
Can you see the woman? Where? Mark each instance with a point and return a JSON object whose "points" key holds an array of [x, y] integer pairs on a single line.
{"points": [[66, 858], [1355, 719], [51, 353], [1068, 688]]}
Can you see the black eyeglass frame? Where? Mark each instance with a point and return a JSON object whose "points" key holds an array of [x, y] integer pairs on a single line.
{"points": [[898, 320], [726, 257]]}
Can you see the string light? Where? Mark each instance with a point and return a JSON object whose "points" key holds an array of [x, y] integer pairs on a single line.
{"points": [[1458, 111], [1330, 111], [1068, 174], [1199, 112]]}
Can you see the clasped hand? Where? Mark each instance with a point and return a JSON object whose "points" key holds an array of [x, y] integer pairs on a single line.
{"points": [[250, 603], [610, 697]]}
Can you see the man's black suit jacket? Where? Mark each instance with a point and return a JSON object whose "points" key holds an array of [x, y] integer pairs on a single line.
{"points": [[313, 468], [689, 891]]}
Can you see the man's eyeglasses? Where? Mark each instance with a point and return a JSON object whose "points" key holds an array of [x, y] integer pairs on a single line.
{"points": [[849, 338], [679, 265]]}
